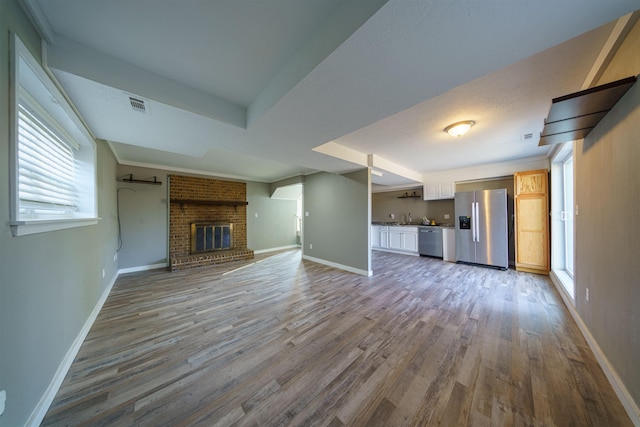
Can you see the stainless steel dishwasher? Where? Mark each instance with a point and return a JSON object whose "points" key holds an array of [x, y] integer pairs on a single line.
{"points": [[430, 241]]}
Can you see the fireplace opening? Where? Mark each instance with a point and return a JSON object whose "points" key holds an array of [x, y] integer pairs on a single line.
{"points": [[211, 237]]}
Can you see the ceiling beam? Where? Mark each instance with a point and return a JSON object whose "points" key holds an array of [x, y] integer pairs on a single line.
{"points": [[74, 58], [622, 27], [343, 23]]}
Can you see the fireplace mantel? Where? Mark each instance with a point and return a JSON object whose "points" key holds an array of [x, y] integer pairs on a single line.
{"points": [[234, 203]]}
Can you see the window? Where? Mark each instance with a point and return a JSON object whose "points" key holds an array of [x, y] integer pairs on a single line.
{"points": [[567, 213], [52, 154], [562, 216]]}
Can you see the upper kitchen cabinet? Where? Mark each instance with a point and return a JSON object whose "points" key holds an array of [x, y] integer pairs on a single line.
{"points": [[532, 221], [439, 191], [532, 182]]}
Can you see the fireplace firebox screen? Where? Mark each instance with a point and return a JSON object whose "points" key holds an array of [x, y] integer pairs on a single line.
{"points": [[211, 237]]}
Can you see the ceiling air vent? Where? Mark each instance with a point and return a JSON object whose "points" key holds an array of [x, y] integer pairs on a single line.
{"points": [[138, 104], [526, 136]]}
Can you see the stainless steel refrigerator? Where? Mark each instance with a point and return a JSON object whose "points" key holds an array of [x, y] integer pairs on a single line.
{"points": [[481, 228]]}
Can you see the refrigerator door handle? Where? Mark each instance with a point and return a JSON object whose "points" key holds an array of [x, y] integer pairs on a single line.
{"points": [[473, 221], [477, 215]]}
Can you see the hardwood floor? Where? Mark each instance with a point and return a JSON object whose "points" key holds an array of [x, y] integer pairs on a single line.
{"points": [[288, 342]]}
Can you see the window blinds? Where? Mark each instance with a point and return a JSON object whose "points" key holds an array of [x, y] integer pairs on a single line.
{"points": [[46, 168]]}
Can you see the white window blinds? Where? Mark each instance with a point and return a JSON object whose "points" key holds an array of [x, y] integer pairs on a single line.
{"points": [[53, 157], [46, 168]]}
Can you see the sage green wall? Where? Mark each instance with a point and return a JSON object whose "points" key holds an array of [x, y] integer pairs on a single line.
{"points": [[49, 282], [338, 225], [143, 218], [275, 226], [607, 171], [385, 203]]}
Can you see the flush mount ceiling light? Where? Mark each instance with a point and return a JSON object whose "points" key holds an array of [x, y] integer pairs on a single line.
{"points": [[459, 128]]}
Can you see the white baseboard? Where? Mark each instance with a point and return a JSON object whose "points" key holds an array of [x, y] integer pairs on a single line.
{"points": [[393, 251], [43, 405], [339, 266], [280, 248], [618, 386], [142, 268]]}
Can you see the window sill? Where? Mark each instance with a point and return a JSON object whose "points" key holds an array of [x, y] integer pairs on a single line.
{"points": [[24, 228], [566, 282]]}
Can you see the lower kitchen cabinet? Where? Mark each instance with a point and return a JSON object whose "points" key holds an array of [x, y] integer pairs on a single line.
{"points": [[410, 241], [379, 237], [384, 237], [403, 239], [375, 236], [396, 239]]}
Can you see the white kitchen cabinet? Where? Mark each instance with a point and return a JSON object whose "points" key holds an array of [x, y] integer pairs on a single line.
{"points": [[379, 236], [395, 239], [403, 239], [444, 190], [447, 190], [375, 236], [410, 241], [384, 237]]}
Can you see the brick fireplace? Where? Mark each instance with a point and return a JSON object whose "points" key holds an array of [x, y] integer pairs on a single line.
{"points": [[209, 207]]}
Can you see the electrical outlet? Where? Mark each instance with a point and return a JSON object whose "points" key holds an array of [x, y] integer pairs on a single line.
{"points": [[306, 214], [115, 257], [447, 216], [587, 294], [256, 214], [3, 399], [310, 246]]}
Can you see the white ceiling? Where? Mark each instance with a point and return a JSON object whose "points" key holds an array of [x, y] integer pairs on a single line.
{"points": [[249, 88]]}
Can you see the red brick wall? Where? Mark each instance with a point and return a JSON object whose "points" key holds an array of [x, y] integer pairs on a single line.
{"points": [[181, 216]]}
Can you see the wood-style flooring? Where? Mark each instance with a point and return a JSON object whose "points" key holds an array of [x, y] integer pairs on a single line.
{"points": [[283, 341]]}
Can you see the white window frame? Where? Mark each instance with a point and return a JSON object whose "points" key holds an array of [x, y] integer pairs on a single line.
{"points": [[32, 85], [567, 216], [558, 212]]}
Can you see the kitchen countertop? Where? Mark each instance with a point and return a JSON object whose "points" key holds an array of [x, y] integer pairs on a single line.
{"points": [[396, 224]]}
